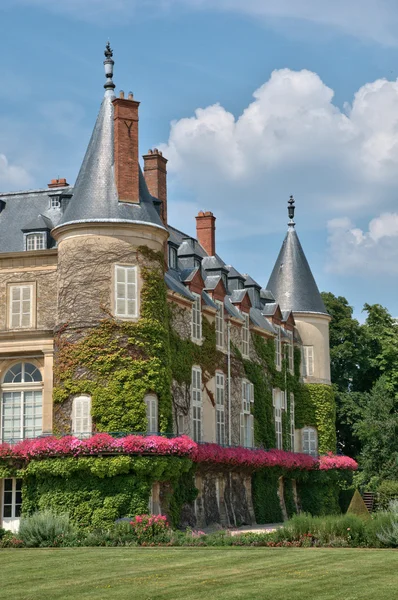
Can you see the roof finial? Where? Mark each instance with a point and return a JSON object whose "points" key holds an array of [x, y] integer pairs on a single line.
{"points": [[108, 64], [290, 210]]}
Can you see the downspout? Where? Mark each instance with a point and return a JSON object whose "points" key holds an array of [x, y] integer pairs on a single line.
{"points": [[229, 382]]}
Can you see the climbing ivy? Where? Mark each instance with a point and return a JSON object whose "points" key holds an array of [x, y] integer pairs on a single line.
{"points": [[95, 491], [316, 407], [118, 362]]}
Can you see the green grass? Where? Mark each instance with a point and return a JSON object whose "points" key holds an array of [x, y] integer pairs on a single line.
{"points": [[198, 573]]}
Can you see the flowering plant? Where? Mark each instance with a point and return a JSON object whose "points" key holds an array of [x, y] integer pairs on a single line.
{"points": [[103, 443], [150, 529]]}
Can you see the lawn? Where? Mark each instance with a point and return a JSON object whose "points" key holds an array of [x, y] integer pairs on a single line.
{"points": [[198, 573]]}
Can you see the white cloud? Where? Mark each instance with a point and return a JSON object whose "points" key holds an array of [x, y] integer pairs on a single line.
{"points": [[13, 176], [353, 251], [291, 139], [370, 19]]}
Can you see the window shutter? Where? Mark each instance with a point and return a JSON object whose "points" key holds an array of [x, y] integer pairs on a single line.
{"points": [[242, 429], [251, 426]]}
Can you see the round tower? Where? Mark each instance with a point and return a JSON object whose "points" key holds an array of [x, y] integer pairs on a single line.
{"points": [[295, 289], [111, 243]]}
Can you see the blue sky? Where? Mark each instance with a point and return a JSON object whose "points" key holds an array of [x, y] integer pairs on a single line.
{"points": [[250, 100]]}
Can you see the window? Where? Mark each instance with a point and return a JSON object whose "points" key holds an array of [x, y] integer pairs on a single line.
{"points": [[36, 241], [278, 353], [278, 401], [290, 352], [21, 403], [246, 418], [173, 257], [220, 325], [292, 428], [12, 498], [126, 291], [220, 412], [225, 280], [55, 202], [21, 306], [309, 360], [245, 335], [151, 402], [310, 441], [197, 263], [197, 319], [197, 408], [81, 416]]}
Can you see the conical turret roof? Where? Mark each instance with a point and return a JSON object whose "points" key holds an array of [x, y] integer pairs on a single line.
{"points": [[291, 281], [95, 196]]}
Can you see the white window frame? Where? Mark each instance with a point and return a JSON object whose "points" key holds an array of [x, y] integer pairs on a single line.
{"points": [[126, 291], [196, 322], [55, 202], [220, 325], [16, 502], [292, 424], [197, 404], [151, 403], [278, 405], [220, 408], [308, 352], [173, 257], [290, 352], [246, 417], [36, 239], [81, 416], [21, 310], [278, 348], [22, 404], [309, 440], [246, 335]]}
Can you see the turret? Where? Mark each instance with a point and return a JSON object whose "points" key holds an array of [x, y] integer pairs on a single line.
{"points": [[294, 289]]}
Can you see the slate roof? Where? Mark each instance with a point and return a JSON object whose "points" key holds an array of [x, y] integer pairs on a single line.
{"points": [[292, 282], [95, 197], [22, 209]]}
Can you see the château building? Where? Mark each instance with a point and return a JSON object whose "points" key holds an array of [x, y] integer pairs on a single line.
{"points": [[112, 320]]}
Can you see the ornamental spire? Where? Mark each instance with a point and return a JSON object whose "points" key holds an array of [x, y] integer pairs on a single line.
{"points": [[290, 209], [108, 64]]}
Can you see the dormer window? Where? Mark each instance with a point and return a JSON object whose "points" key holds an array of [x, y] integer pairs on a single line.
{"points": [[36, 241], [55, 202], [224, 280], [197, 263], [173, 257]]}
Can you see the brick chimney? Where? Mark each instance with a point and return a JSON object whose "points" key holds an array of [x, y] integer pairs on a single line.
{"points": [[126, 148], [156, 178], [206, 231], [56, 183]]}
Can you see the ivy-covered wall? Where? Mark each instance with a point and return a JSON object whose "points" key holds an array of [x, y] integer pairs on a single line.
{"points": [[315, 407], [95, 491], [118, 362]]}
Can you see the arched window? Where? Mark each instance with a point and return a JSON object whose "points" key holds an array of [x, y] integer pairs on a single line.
{"points": [[81, 416], [36, 241], [21, 403], [151, 402], [310, 441]]}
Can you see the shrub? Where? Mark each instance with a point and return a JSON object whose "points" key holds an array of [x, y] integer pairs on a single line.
{"points": [[9, 540], [148, 529], [44, 529], [387, 491], [357, 507]]}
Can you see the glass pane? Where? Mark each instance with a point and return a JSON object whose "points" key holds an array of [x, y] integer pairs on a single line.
{"points": [[7, 511], [18, 498], [18, 485], [7, 485], [7, 497], [131, 275], [11, 373], [18, 510], [120, 274]]}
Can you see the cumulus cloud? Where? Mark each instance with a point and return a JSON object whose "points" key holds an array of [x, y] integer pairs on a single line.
{"points": [[291, 139], [372, 19], [12, 175], [354, 251]]}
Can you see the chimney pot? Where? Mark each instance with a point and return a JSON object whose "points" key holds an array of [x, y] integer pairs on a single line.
{"points": [[131, 96], [121, 94]]}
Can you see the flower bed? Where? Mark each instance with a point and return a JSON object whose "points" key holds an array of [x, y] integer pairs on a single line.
{"points": [[103, 443]]}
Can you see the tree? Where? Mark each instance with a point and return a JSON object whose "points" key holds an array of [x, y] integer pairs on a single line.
{"points": [[378, 434]]}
